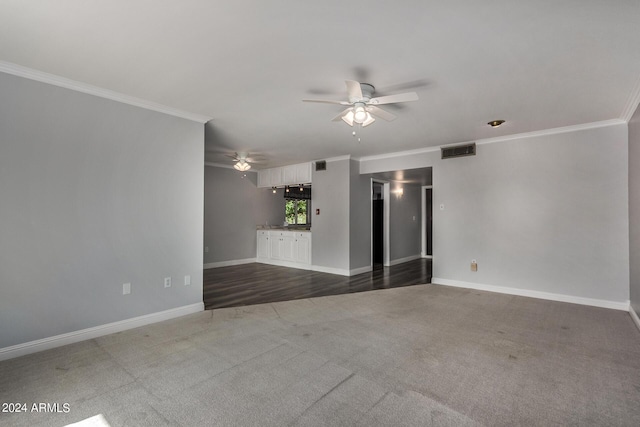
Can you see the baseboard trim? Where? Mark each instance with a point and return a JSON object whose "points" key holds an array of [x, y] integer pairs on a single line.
{"points": [[229, 263], [287, 264], [534, 294], [97, 331], [361, 270], [405, 259], [634, 316], [330, 270]]}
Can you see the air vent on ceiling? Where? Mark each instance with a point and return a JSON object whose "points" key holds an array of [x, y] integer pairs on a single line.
{"points": [[321, 165], [459, 151]]}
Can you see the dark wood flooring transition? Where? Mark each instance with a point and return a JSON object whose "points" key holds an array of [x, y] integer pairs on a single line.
{"points": [[257, 283]]}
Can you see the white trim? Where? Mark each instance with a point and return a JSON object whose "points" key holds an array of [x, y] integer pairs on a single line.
{"points": [[31, 74], [634, 316], [544, 132], [334, 159], [405, 259], [288, 264], [97, 331], [330, 270], [422, 255], [361, 270], [547, 132], [632, 103], [229, 263], [616, 305]]}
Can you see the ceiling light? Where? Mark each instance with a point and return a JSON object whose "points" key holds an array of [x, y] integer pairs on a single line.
{"points": [[348, 118], [368, 120], [242, 166], [360, 114], [495, 123]]}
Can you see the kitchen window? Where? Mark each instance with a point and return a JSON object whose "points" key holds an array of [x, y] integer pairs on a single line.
{"points": [[296, 211]]}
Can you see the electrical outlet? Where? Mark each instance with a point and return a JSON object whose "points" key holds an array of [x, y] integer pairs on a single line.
{"points": [[474, 265], [126, 288], [167, 282], [206, 249], [187, 280]]}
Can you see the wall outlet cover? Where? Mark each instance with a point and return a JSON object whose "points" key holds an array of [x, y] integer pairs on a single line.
{"points": [[167, 282], [187, 280], [126, 288]]}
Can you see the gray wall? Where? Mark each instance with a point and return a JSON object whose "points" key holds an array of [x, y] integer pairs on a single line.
{"points": [[546, 213], [330, 229], [93, 194], [634, 210], [405, 231], [233, 206]]}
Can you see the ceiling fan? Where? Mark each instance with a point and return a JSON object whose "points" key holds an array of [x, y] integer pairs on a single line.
{"points": [[243, 161], [363, 107]]}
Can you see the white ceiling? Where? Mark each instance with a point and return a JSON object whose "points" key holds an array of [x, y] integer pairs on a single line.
{"points": [[538, 64]]}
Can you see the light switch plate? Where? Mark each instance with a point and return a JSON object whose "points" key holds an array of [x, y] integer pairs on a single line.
{"points": [[126, 288], [187, 280]]}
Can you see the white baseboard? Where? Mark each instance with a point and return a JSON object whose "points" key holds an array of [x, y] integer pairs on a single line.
{"points": [[356, 271], [634, 316], [330, 270], [534, 294], [405, 259], [229, 263], [97, 331]]}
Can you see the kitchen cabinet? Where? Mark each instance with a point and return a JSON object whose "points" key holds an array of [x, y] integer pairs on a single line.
{"points": [[303, 248], [286, 248], [286, 175], [303, 173], [263, 245]]}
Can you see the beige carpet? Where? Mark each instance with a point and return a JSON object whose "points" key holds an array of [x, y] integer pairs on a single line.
{"points": [[416, 356]]}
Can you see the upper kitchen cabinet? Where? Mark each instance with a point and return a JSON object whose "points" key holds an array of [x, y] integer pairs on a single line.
{"points": [[285, 175]]}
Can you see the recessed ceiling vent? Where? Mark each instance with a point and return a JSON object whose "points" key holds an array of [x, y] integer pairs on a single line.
{"points": [[459, 151], [321, 165]]}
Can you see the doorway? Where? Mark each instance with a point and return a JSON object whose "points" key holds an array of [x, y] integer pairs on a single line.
{"points": [[377, 225], [427, 221], [380, 191]]}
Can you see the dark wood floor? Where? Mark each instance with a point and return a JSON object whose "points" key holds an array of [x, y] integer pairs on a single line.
{"points": [[261, 283]]}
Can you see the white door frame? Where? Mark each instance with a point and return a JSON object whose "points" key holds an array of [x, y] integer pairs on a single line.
{"points": [[424, 220]]}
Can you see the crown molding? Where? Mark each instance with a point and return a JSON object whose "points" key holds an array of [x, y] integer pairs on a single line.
{"points": [[52, 79], [632, 103], [399, 154], [553, 131]]}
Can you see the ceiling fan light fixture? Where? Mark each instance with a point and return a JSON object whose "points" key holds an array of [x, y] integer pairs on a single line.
{"points": [[348, 118], [360, 114], [495, 123], [242, 166], [368, 120]]}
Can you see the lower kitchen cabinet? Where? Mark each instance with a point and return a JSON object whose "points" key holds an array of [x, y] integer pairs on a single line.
{"points": [[286, 248]]}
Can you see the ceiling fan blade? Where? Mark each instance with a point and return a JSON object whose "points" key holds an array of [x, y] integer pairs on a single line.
{"points": [[339, 116], [390, 99], [379, 112], [354, 91], [327, 101]]}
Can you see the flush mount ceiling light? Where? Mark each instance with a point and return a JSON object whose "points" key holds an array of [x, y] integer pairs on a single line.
{"points": [[362, 106], [495, 123], [242, 166]]}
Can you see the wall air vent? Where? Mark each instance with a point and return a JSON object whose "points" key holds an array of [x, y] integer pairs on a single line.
{"points": [[459, 151], [321, 165]]}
